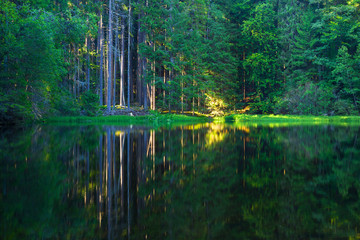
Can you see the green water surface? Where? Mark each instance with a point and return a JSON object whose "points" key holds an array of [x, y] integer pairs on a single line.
{"points": [[200, 181]]}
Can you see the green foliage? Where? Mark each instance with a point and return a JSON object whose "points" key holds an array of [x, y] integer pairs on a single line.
{"points": [[217, 56], [89, 103], [346, 79], [66, 105], [307, 99], [344, 107], [34, 60]]}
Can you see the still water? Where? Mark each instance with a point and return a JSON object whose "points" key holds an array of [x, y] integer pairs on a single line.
{"points": [[205, 181]]}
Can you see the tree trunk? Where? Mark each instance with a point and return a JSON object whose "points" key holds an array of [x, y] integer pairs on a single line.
{"points": [[164, 94], [101, 61], [153, 81], [139, 74], [169, 102], [122, 78], [74, 78], [78, 73], [129, 42], [244, 80], [115, 57], [109, 57], [87, 43], [182, 92]]}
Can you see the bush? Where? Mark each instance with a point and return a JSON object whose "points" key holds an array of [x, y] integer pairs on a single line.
{"points": [[66, 105], [89, 103], [344, 107], [215, 104], [306, 99]]}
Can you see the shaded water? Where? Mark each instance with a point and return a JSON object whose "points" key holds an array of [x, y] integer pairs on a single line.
{"points": [[207, 181]]}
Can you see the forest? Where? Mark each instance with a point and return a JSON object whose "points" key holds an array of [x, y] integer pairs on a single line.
{"points": [[75, 57]]}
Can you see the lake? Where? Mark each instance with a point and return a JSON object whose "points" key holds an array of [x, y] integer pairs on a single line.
{"points": [[201, 181]]}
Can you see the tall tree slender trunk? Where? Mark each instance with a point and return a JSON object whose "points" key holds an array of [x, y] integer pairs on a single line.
{"points": [[101, 61], [182, 91], [171, 71], [145, 85], [109, 57], [244, 80], [164, 94], [106, 67], [115, 57], [129, 42], [87, 43], [139, 74], [169, 101], [78, 72], [122, 77], [193, 98], [74, 78], [153, 81], [164, 90]]}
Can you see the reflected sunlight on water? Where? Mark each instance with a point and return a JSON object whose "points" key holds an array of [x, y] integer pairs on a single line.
{"points": [[210, 180]]}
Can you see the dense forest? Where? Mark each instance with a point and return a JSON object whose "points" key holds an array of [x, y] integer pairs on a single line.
{"points": [[213, 56]]}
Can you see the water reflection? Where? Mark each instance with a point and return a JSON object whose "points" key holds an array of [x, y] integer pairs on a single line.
{"points": [[205, 181]]}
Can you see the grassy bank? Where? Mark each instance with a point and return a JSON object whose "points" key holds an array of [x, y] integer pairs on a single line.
{"points": [[238, 118], [150, 119], [161, 119]]}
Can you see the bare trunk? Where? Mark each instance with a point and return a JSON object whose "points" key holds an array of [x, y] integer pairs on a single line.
{"points": [[171, 71], [109, 57], [139, 74], [87, 43], [182, 92], [106, 68], [129, 42], [115, 57], [244, 80], [164, 94], [153, 81], [170, 77], [193, 98], [78, 73], [101, 61], [74, 78], [198, 106], [122, 78]]}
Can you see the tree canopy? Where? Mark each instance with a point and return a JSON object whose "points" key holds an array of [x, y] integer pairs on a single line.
{"points": [[72, 57]]}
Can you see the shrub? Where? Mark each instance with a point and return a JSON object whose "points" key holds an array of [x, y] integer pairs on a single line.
{"points": [[66, 105], [306, 99], [344, 107], [89, 103]]}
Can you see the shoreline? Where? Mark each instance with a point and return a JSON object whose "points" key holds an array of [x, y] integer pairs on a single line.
{"points": [[156, 118]]}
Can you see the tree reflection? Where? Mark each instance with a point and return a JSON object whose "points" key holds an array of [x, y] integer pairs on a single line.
{"points": [[188, 182]]}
